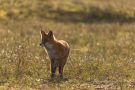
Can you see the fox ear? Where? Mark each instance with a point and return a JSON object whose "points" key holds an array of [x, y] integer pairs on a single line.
{"points": [[50, 33], [42, 33]]}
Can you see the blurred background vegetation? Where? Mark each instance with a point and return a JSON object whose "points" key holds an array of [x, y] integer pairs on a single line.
{"points": [[69, 11], [101, 34]]}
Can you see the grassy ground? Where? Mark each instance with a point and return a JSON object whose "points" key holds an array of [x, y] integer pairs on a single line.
{"points": [[100, 33]]}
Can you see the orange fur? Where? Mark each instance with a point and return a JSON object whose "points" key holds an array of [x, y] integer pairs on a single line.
{"points": [[57, 50]]}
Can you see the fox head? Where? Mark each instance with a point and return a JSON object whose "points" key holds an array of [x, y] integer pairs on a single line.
{"points": [[46, 37]]}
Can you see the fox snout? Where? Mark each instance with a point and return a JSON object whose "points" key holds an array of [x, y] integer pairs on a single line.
{"points": [[41, 44]]}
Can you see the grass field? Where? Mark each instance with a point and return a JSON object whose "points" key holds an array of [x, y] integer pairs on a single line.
{"points": [[101, 34]]}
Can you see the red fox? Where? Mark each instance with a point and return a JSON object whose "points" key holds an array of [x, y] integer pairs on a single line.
{"points": [[57, 50]]}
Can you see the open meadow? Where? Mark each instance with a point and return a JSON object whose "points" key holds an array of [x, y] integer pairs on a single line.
{"points": [[101, 35]]}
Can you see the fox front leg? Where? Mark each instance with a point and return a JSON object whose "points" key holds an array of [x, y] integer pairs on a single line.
{"points": [[61, 71], [53, 69]]}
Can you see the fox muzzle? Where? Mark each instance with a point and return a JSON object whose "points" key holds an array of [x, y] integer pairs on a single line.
{"points": [[41, 44]]}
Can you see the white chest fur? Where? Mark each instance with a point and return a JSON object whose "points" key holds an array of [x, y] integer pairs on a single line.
{"points": [[49, 46], [51, 50]]}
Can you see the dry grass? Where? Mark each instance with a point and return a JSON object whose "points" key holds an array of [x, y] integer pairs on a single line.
{"points": [[100, 33]]}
